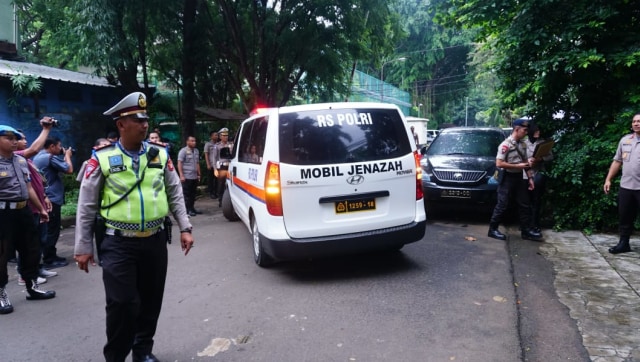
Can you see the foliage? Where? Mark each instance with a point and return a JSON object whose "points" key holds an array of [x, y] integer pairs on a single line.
{"points": [[272, 52], [575, 190], [580, 58], [71, 203], [215, 52], [24, 85], [435, 70], [71, 191]]}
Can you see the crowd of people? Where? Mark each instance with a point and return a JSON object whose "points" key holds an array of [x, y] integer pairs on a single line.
{"points": [[128, 231]]}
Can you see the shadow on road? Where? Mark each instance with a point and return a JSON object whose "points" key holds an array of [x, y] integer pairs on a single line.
{"points": [[347, 267]]}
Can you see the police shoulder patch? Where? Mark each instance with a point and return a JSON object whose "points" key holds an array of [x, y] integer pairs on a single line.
{"points": [[92, 165]]}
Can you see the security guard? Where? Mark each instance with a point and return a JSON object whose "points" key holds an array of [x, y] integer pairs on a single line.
{"points": [[132, 185], [627, 158], [517, 179], [221, 164], [16, 220]]}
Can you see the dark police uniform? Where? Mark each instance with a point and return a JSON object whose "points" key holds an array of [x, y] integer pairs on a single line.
{"points": [[514, 183], [133, 252], [221, 164], [17, 225]]}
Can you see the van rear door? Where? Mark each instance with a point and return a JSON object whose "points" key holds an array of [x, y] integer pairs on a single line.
{"points": [[345, 170]]}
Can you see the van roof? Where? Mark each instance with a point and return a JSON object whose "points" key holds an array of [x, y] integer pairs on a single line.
{"points": [[339, 105]]}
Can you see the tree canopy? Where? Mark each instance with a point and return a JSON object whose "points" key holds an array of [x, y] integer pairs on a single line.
{"points": [[579, 58]]}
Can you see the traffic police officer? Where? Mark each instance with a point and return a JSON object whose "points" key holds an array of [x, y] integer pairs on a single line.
{"points": [[221, 164], [16, 221], [516, 180], [131, 185]]}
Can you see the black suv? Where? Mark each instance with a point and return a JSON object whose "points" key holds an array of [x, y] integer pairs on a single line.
{"points": [[460, 167]]}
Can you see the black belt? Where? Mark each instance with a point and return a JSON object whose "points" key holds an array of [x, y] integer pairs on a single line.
{"points": [[12, 205]]}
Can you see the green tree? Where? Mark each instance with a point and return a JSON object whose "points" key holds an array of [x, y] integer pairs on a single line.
{"points": [[435, 70], [219, 51], [276, 52], [580, 57]]}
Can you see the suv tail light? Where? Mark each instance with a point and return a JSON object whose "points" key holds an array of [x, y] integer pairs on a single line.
{"points": [[419, 193], [273, 196]]}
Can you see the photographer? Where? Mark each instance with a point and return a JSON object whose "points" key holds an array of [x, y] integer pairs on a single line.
{"points": [[51, 161]]}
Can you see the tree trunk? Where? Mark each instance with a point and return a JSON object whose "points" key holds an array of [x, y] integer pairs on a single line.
{"points": [[188, 121]]}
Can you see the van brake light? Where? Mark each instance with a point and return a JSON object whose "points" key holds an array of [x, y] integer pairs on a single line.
{"points": [[273, 196], [419, 193]]}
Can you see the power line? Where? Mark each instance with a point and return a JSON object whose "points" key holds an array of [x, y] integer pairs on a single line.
{"points": [[426, 50], [436, 79], [441, 84]]}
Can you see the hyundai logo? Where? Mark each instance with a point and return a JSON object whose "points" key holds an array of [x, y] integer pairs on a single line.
{"points": [[457, 176], [355, 180]]}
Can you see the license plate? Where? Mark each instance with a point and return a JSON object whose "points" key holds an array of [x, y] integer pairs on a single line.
{"points": [[462, 194], [343, 207]]}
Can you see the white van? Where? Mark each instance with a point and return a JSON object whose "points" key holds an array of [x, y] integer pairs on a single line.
{"points": [[420, 128], [323, 179], [431, 135]]}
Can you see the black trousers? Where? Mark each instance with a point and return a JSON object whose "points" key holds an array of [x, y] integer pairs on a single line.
{"points": [[212, 183], [134, 271], [18, 229], [49, 251], [628, 203], [189, 189], [540, 183], [512, 185]]}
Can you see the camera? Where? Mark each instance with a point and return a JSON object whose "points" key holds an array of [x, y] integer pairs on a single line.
{"points": [[63, 150], [53, 122]]}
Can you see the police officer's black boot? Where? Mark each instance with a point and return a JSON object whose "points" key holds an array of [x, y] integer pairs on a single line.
{"points": [[622, 247], [531, 234], [35, 293], [495, 233]]}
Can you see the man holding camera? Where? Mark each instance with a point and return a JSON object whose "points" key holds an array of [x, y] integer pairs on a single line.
{"points": [[51, 161]]}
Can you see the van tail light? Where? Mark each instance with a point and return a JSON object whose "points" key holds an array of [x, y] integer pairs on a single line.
{"points": [[273, 196], [419, 193]]}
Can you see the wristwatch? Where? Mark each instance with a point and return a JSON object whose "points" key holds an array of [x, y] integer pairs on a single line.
{"points": [[187, 230]]}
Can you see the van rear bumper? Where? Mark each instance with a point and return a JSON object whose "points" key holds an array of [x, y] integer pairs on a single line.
{"points": [[388, 238]]}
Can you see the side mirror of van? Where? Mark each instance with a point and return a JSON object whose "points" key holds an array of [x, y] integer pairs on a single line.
{"points": [[423, 150], [225, 153]]}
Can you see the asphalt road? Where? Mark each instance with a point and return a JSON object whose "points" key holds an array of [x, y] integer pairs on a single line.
{"points": [[454, 296]]}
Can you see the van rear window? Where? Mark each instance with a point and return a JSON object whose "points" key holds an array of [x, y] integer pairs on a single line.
{"points": [[342, 136]]}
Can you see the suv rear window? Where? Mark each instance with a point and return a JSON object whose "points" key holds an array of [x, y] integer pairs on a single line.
{"points": [[472, 143], [337, 136]]}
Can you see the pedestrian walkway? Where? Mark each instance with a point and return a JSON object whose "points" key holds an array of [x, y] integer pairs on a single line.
{"points": [[601, 291]]}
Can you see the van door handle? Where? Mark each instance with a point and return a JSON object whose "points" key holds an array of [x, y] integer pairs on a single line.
{"points": [[233, 171]]}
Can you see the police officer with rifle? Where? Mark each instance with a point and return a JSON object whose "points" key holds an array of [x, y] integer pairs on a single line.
{"points": [[131, 185]]}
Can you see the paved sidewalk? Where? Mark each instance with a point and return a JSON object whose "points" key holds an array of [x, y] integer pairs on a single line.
{"points": [[601, 291]]}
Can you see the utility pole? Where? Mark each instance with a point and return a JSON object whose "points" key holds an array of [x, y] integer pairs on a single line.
{"points": [[401, 59], [466, 111]]}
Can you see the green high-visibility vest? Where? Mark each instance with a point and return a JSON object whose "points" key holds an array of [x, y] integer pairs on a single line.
{"points": [[144, 207]]}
